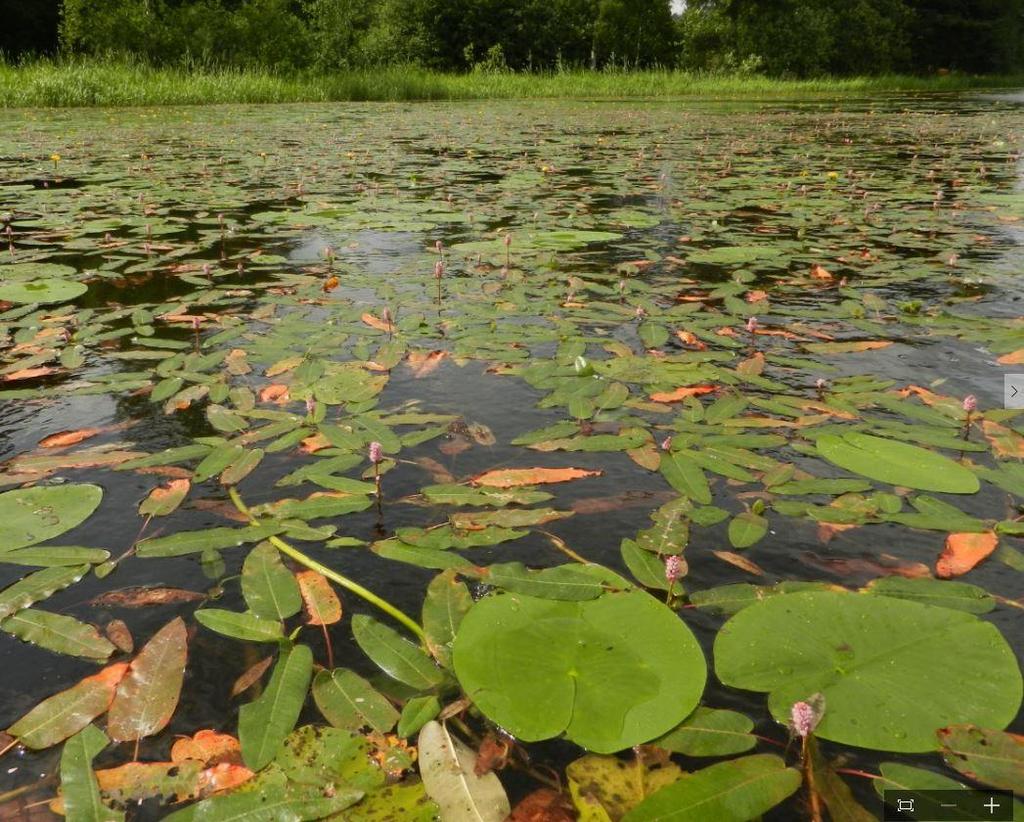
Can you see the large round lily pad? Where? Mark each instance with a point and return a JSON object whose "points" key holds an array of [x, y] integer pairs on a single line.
{"points": [[897, 463], [892, 671], [31, 515], [41, 291], [609, 673]]}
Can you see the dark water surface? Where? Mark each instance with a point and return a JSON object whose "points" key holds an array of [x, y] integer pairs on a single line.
{"points": [[133, 204]]}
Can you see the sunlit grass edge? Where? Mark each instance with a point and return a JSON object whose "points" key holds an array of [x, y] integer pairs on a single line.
{"points": [[97, 82]]}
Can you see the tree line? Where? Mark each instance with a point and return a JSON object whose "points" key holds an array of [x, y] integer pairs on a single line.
{"points": [[797, 38]]}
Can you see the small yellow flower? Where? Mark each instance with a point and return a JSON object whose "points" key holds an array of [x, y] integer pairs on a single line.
{"points": [[55, 158], [833, 175]]}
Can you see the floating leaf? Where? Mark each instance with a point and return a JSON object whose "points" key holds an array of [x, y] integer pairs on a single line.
{"points": [[614, 785], [148, 695], [37, 587], [710, 732], [448, 770], [68, 712], [210, 539], [515, 477], [245, 625], [741, 788], [957, 595], [746, 529], [963, 552], [79, 789], [264, 723], [447, 602], [991, 757], [395, 655], [31, 515], [322, 605], [269, 588], [348, 701], [58, 633], [876, 660], [897, 463], [165, 499], [580, 668], [43, 291], [686, 477], [417, 712]]}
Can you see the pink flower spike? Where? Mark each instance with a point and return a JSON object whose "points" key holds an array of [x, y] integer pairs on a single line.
{"points": [[805, 716], [310, 405], [439, 247], [752, 325], [970, 403], [673, 568], [821, 384], [666, 444], [376, 453], [438, 270], [508, 240]]}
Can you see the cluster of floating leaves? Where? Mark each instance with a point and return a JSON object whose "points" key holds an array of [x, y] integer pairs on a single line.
{"points": [[705, 306]]}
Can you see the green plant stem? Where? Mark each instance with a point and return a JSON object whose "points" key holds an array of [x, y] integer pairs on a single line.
{"points": [[334, 576]]}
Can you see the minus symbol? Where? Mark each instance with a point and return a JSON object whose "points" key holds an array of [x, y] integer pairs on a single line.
{"points": [[945, 805]]}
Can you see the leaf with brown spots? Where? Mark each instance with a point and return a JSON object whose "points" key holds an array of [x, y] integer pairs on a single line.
{"points": [[148, 695], [515, 477], [322, 605], [963, 552], [66, 438], [145, 597]]}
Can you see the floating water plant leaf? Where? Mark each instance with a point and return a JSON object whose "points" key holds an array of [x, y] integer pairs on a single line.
{"points": [[963, 552], [686, 477], [897, 463], [58, 633], [564, 582], [38, 586], [53, 556], [322, 605], [741, 788], [957, 595], [349, 701], [395, 655], [991, 757], [270, 589], [80, 791], [446, 603], [515, 477], [448, 767], [876, 660], [417, 712], [210, 539], [165, 499], [43, 291], [467, 495], [746, 529], [831, 789], [31, 515], [580, 667], [68, 712], [264, 723], [710, 732], [148, 694], [246, 625], [615, 786]]}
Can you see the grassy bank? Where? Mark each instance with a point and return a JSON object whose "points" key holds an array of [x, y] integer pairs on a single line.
{"points": [[106, 83]]}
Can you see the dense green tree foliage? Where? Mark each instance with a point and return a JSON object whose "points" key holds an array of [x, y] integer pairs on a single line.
{"points": [[798, 38]]}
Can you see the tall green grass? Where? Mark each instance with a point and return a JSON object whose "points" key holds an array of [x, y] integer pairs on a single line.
{"points": [[99, 82]]}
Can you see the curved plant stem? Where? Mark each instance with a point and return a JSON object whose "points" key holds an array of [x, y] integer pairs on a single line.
{"points": [[334, 576]]}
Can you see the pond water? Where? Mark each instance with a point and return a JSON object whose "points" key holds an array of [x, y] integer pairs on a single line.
{"points": [[748, 250]]}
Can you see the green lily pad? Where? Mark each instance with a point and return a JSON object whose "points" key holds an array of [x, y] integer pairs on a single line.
{"points": [[609, 673], [891, 670], [31, 515], [42, 291]]}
